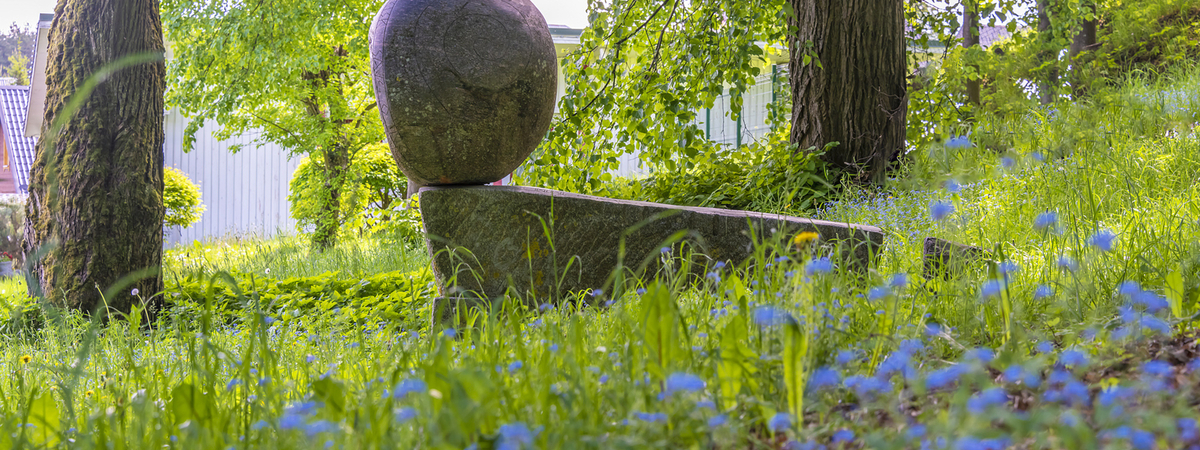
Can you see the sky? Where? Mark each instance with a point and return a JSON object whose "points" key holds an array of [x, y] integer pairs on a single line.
{"points": [[572, 13]]}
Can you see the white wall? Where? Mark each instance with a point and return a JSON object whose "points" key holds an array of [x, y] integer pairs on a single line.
{"points": [[245, 193]]}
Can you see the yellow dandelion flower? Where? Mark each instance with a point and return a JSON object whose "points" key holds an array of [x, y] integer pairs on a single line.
{"points": [[89, 393], [25, 359], [804, 238]]}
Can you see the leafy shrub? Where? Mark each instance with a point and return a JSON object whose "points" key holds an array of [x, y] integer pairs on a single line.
{"points": [[384, 296], [372, 200], [768, 176], [12, 225], [181, 197]]}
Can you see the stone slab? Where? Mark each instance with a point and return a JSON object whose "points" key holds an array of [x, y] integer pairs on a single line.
{"points": [[484, 239], [947, 258]]}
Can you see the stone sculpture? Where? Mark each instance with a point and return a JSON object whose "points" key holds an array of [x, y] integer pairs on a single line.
{"points": [[466, 89]]}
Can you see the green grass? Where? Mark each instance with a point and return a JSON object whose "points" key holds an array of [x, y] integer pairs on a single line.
{"points": [[771, 356]]}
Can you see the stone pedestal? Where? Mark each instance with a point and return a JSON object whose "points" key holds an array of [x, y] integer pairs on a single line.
{"points": [[486, 240]]}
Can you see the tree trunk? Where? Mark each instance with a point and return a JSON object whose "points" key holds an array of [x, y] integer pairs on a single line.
{"points": [[1048, 87], [1084, 41], [337, 163], [95, 197], [854, 91], [970, 37]]}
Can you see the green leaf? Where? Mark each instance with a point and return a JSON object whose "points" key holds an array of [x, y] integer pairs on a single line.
{"points": [[330, 392], [191, 403], [663, 331], [1175, 290], [795, 370], [46, 420], [734, 366]]}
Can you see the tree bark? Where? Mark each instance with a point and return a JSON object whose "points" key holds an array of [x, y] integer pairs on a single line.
{"points": [[970, 37], [854, 92], [95, 205], [1048, 86], [1084, 41]]}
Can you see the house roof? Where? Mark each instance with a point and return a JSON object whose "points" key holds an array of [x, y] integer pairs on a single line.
{"points": [[14, 102]]}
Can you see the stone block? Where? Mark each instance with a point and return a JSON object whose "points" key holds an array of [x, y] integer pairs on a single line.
{"points": [[487, 239]]}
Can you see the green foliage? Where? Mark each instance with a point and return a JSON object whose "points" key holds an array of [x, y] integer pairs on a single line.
{"points": [[766, 176], [12, 224], [643, 71], [295, 74], [181, 197], [17, 46], [372, 197], [388, 296]]}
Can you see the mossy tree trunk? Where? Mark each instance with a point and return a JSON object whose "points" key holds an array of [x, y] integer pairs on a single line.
{"points": [[1048, 56], [853, 91], [970, 37], [1083, 42], [96, 187], [326, 102]]}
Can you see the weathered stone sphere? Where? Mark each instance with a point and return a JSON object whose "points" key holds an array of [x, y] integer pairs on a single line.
{"points": [[466, 88]]}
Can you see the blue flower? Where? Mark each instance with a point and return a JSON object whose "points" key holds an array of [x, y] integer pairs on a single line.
{"points": [[1073, 358], [958, 142], [899, 281], [651, 417], [1007, 268], [865, 387], [515, 436], [1103, 240], [952, 186], [944, 377], [911, 346], [769, 316], [982, 354], [717, 420], [1038, 156], [985, 399], [933, 329], [848, 356], [916, 431], [990, 288], [706, 404], [1187, 429], [1007, 162], [939, 210], [818, 266], [683, 382], [1156, 368], [515, 366], [1014, 373], [291, 421], [843, 435], [597, 292], [232, 384], [603, 379], [1151, 301], [1044, 347], [1142, 440], [1155, 324], [409, 386], [1046, 221], [779, 422], [1068, 264], [897, 362], [878, 292], [1043, 291], [318, 427], [824, 378], [450, 333]]}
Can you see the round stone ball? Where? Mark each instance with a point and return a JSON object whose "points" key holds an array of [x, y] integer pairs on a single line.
{"points": [[466, 88]]}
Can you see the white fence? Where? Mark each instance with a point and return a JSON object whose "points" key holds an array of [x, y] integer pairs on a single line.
{"points": [[245, 193]]}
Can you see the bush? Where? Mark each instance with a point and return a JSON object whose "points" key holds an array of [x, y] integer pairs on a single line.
{"points": [[771, 176], [372, 200], [181, 197], [12, 225]]}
